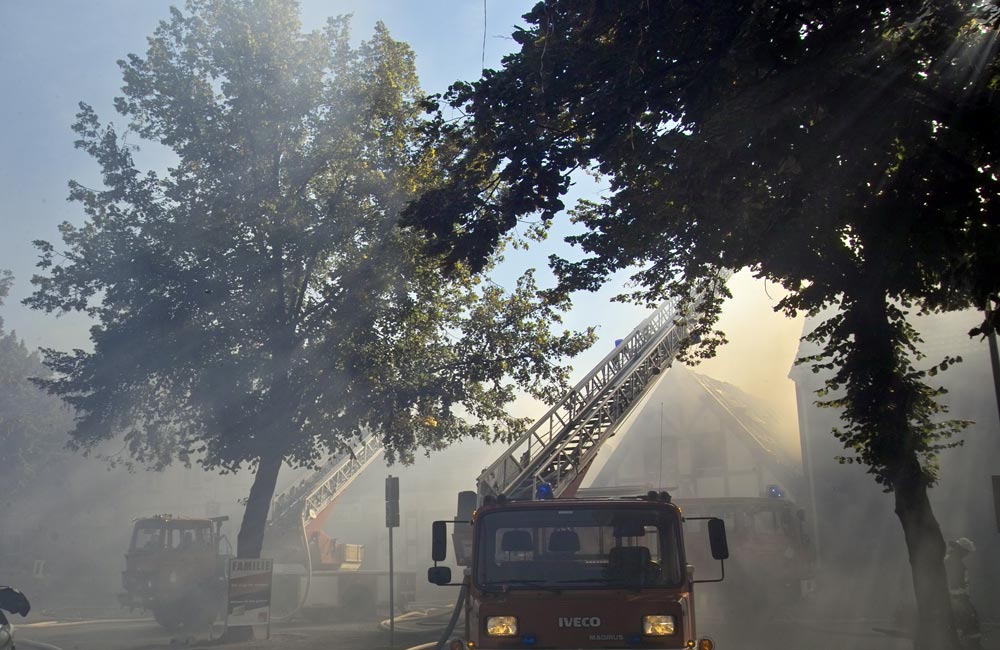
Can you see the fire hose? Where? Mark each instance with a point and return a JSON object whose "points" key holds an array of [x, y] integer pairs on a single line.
{"points": [[428, 620]]}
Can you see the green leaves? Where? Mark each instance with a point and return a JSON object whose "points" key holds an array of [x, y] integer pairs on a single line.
{"points": [[257, 299], [33, 425], [847, 152]]}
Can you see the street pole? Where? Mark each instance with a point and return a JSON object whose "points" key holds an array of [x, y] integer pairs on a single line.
{"points": [[392, 521], [392, 609]]}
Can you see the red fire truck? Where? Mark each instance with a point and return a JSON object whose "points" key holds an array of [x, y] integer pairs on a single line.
{"points": [[774, 562], [544, 569], [579, 573]]}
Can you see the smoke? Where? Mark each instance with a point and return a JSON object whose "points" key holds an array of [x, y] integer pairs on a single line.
{"points": [[761, 351]]}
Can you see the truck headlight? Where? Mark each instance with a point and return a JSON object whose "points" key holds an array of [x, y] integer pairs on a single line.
{"points": [[658, 625], [5, 637], [501, 625]]}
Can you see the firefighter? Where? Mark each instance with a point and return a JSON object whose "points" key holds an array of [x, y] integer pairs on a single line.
{"points": [[966, 618]]}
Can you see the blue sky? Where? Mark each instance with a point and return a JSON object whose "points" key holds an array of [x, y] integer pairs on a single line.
{"points": [[56, 53]]}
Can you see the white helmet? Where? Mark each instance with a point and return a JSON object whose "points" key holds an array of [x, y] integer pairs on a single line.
{"points": [[966, 544]]}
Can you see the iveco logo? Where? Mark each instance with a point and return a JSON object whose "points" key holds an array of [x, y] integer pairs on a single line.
{"points": [[579, 621]]}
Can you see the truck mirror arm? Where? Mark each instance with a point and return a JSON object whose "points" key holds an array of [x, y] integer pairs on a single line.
{"points": [[722, 564]]}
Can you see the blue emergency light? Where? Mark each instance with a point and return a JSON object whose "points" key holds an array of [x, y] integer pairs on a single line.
{"points": [[544, 491], [775, 492]]}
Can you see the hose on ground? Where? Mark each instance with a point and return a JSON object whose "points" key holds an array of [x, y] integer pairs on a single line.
{"points": [[429, 619], [419, 621]]}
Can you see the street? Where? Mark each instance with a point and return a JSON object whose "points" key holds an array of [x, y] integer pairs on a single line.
{"points": [[143, 634]]}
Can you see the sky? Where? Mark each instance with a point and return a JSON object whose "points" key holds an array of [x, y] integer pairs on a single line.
{"points": [[56, 53]]}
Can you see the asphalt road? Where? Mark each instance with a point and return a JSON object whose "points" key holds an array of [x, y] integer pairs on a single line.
{"points": [[144, 634]]}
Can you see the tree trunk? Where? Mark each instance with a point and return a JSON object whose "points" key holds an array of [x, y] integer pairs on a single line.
{"points": [[251, 536], [889, 410], [250, 539], [935, 624]]}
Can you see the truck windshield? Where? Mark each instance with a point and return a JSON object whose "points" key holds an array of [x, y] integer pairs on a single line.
{"points": [[579, 547]]}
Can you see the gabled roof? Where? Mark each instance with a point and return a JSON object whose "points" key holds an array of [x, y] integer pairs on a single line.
{"points": [[742, 415], [752, 423]]}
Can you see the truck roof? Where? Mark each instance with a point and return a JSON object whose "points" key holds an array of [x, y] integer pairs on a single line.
{"points": [[589, 502], [173, 519]]}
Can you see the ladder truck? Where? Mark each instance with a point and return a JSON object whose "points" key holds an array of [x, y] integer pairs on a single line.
{"points": [[546, 569], [315, 572]]}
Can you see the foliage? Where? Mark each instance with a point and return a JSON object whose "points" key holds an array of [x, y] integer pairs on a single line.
{"points": [[848, 151], [33, 425], [845, 151], [257, 301]]}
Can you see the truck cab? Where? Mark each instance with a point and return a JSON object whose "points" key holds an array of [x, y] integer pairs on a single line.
{"points": [[578, 573], [175, 567]]}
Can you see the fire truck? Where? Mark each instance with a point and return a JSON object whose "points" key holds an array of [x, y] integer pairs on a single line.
{"points": [[314, 573], [774, 564], [176, 567], [546, 569], [774, 561]]}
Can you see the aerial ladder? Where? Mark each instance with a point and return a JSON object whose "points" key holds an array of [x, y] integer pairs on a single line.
{"points": [[295, 529], [556, 452], [312, 499]]}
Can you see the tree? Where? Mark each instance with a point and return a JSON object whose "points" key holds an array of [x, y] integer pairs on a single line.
{"points": [[256, 304], [33, 425], [846, 151]]}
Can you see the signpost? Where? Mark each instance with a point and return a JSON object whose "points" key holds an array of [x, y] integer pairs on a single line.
{"points": [[249, 601], [391, 521]]}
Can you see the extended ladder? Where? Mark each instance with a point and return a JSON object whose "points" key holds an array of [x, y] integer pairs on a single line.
{"points": [[305, 501], [560, 447]]}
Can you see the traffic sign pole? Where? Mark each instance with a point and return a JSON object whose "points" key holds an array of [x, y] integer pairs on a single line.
{"points": [[391, 521]]}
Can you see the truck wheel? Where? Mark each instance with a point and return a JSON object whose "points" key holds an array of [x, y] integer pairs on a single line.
{"points": [[169, 617], [199, 609]]}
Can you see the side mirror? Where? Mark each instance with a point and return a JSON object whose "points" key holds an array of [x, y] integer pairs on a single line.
{"points": [[717, 539], [439, 575], [439, 542]]}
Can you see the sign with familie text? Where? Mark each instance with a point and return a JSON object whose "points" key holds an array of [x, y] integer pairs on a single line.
{"points": [[249, 592]]}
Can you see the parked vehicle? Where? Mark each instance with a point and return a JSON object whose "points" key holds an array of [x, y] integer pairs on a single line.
{"points": [[13, 602], [176, 568]]}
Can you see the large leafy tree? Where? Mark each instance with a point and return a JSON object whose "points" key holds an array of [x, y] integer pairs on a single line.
{"points": [[848, 151], [33, 425], [256, 304]]}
